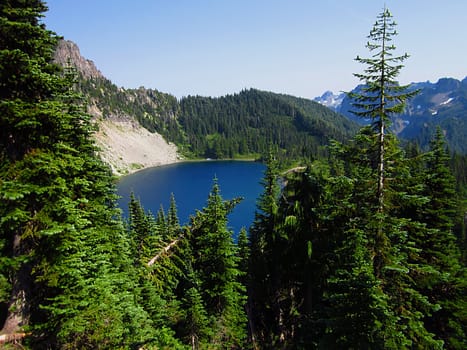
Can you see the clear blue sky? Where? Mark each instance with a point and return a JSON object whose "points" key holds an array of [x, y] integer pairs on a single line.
{"points": [[218, 47]]}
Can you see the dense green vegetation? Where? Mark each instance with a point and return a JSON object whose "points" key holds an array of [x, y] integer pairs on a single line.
{"points": [[343, 253], [154, 110], [350, 276], [249, 122], [66, 273], [234, 126]]}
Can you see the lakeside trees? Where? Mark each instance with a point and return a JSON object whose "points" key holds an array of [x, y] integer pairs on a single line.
{"points": [[361, 251], [357, 251], [247, 123], [65, 257]]}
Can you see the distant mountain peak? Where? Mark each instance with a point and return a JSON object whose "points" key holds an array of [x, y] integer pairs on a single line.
{"points": [[68, 51], [442, 103], [330, 100]]}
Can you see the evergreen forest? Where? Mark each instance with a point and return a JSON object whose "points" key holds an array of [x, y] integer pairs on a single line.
{"points": [[237, 126], [361, 246]]}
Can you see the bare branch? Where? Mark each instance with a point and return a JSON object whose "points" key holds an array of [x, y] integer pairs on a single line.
{"points": [[164, 250]]}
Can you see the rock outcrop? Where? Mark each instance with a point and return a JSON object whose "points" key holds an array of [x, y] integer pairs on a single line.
{"points": [[124, 144], [67, 52]]}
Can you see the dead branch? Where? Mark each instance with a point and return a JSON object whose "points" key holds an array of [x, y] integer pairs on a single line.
{"points": [[164, 250], [11, 338]]}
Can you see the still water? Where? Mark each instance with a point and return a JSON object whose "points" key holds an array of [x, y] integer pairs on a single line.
{"points": [[191, 182]]}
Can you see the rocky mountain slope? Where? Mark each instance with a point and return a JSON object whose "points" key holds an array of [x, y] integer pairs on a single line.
{"points": [[140, 127], [125, 144], [443, 103]]}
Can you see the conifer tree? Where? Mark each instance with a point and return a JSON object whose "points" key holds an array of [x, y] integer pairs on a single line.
{"points": [[215, 263], [393, 255], [158, 280], [141, 229], [195, 326], [358, 316], [65, 257], [446, 286], [263, 234], [173, 224], [243, 245], [161, 221], [381, 96]]}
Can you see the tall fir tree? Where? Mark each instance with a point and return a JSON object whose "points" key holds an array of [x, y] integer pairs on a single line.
{"points": [[157, 278], [64, 257], [447, 284], [381, 96], [263, 236], [379, 170], [215, 264]]}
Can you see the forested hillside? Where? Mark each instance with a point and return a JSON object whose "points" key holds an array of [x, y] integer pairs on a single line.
{"points": [[240, 125], [66, 271], [250, 122], [358, 250], [154, 110]]}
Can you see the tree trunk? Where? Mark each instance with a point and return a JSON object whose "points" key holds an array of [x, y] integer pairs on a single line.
{"points": [[251, 324], [18, 308], [381, 168]]}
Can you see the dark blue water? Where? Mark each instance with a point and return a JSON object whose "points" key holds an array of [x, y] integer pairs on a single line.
{"points": [[191, 183]]}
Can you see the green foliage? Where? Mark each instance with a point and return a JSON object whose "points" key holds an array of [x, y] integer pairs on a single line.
{"points": [[249, 122], [215, 264], [64, 255], [359, 253], [353, 274], [190, 280], [154, 110], [327, 263], [381, 97]]}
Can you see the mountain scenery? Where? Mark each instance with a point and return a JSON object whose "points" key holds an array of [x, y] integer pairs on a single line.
{"points": [[443, 104], [358, 238], [246, 123], [242, 125]]}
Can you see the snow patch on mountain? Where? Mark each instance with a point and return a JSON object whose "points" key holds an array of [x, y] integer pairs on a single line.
{"points": [[330, 100], [447, 101]]}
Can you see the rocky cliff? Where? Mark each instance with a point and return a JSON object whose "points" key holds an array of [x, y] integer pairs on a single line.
{"points": [[67, 52], [124, 143]]}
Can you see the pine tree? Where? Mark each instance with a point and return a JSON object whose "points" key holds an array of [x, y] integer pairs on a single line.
{"points": [[446, 285], [243, 244], [263, 234], [391, 246], [141, 230], [381, 96], [157, 281], [215, 263], [390, 241], [195, 324], [358, 316], [173, 224], [64, 255]]}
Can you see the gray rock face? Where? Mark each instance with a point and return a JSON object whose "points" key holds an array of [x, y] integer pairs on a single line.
{"points": [[67, 52]]}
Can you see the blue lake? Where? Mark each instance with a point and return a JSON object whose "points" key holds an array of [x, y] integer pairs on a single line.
{"points": [[191, 182]]}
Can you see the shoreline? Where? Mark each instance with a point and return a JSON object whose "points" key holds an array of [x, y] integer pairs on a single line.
{"points": [[180, 160]]}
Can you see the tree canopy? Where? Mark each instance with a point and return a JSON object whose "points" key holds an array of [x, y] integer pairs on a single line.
{"points": [[361, 249]]}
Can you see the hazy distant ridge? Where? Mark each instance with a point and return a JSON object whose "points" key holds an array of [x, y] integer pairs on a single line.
{"points": [[443, 103]]}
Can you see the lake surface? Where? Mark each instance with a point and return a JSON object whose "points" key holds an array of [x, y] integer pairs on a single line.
{"points": [[191, 182]]}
